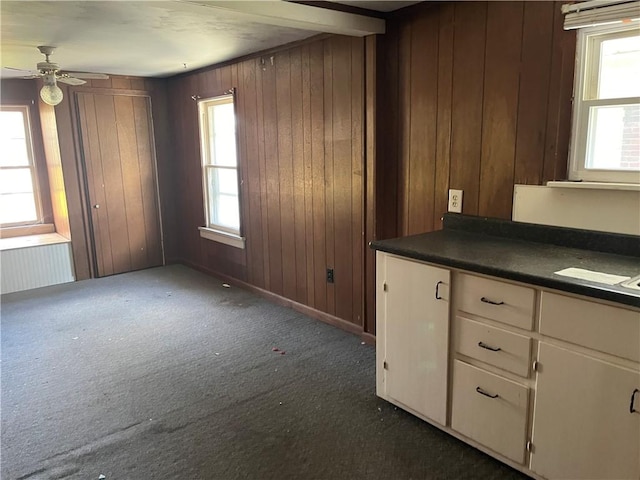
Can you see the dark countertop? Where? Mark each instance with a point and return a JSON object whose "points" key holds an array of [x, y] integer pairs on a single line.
{"points": [[531, 262]]}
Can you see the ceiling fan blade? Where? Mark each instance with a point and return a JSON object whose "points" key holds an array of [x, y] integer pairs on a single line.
{"points": [[71, 81], [25, 72], [87, 75]]}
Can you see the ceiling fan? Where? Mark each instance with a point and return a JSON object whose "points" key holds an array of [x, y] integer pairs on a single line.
{"points": [[51, 74]]}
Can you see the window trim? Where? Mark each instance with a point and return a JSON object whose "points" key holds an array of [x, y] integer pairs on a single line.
{"points": [[210, 231], [23, 227], [580, 118]]}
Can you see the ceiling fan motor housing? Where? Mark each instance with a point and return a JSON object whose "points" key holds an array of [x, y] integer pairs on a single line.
{"points": [[49, 78], [47, 67]]}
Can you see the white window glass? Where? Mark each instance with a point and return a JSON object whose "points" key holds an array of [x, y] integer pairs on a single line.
{"points": [[619, 68], [219, 164], [614, 135], [18, 192], [606, 138]]}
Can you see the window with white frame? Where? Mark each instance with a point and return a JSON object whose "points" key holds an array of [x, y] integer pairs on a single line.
{"points": [[605, 144], [19, 196], [220, 170]]}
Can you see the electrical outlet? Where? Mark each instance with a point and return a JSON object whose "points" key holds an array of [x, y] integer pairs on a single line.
{"points": [[455, 201], [329, 275]]}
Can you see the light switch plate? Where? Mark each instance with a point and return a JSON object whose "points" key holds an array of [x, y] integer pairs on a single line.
{"points": [[455, 201]]}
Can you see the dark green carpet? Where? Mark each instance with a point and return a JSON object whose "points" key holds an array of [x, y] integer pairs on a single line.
{"points": [[165, 374]]}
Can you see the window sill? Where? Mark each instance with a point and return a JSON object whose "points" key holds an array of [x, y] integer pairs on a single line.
{"points": [[26, 230], [222, 237], [595, 185], [14, 243]]}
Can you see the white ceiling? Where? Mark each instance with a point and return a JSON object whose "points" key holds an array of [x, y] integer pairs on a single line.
{"points": [[157, 38]]}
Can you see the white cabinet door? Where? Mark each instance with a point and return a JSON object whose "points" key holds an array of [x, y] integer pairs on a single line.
{"points": [[583, 426], [414, 326]]}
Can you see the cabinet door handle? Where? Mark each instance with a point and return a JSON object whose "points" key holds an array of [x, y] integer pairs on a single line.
{"points": [[482, 392], [438, 297], [491, 302], [633, 401], [488, 347]]}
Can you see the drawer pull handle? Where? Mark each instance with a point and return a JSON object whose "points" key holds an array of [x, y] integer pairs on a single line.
{"points": [[633, 400], [482, 392], [491, 302], [488, 347], [438, 297]]}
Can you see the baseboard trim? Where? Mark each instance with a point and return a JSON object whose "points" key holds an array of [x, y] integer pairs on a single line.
{"points": [[285, 302], [368, 338]]}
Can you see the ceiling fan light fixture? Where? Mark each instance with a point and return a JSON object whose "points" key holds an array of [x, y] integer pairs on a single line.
{"points": [[51, 94]]}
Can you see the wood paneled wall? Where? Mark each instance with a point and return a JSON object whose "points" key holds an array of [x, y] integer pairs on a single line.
{"points": [[300, 118], [73, 168], [51, 146], [477, 96]]}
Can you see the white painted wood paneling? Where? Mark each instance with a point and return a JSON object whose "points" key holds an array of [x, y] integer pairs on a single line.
{"points": [[34, 267], [604, 210]]}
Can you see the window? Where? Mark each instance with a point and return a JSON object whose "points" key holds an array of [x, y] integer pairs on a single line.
{"points": [[19, 195], [606, 117], [220, 170]]}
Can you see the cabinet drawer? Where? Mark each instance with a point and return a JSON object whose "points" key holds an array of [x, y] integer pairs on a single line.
{"points": [[497, 347], [500, 301], [499, 423], [608, 329]]}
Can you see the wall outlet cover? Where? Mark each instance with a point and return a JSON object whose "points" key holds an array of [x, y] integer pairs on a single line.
{"points": [[455, 201]]}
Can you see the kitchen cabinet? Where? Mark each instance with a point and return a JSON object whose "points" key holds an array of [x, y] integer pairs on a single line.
{"points": [[584, 425], [486, 406], [543, 369], [540, 380], [413, 335], [490, 409]]}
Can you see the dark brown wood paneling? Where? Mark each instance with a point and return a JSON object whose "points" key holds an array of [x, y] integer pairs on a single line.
{"points": [[74, 188], [537, 38], [69, 139], [422, 124], [559, 107], [146, 161], [119, 159], [263, 228], [329, 231], [405, 73], [443, 121], [357, 173], [387, 115], [300, 136], [274, 224], [500, 107], [131, 180], [308, 175], [468, 88], [371, 77], [343, 240], [318, 158], [504, 72], [251, 173], [299, 184], [284, 165]]}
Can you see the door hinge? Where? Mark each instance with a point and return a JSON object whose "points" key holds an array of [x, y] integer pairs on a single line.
{"points": [[384, 287], [385, 365], [530, 446]]}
